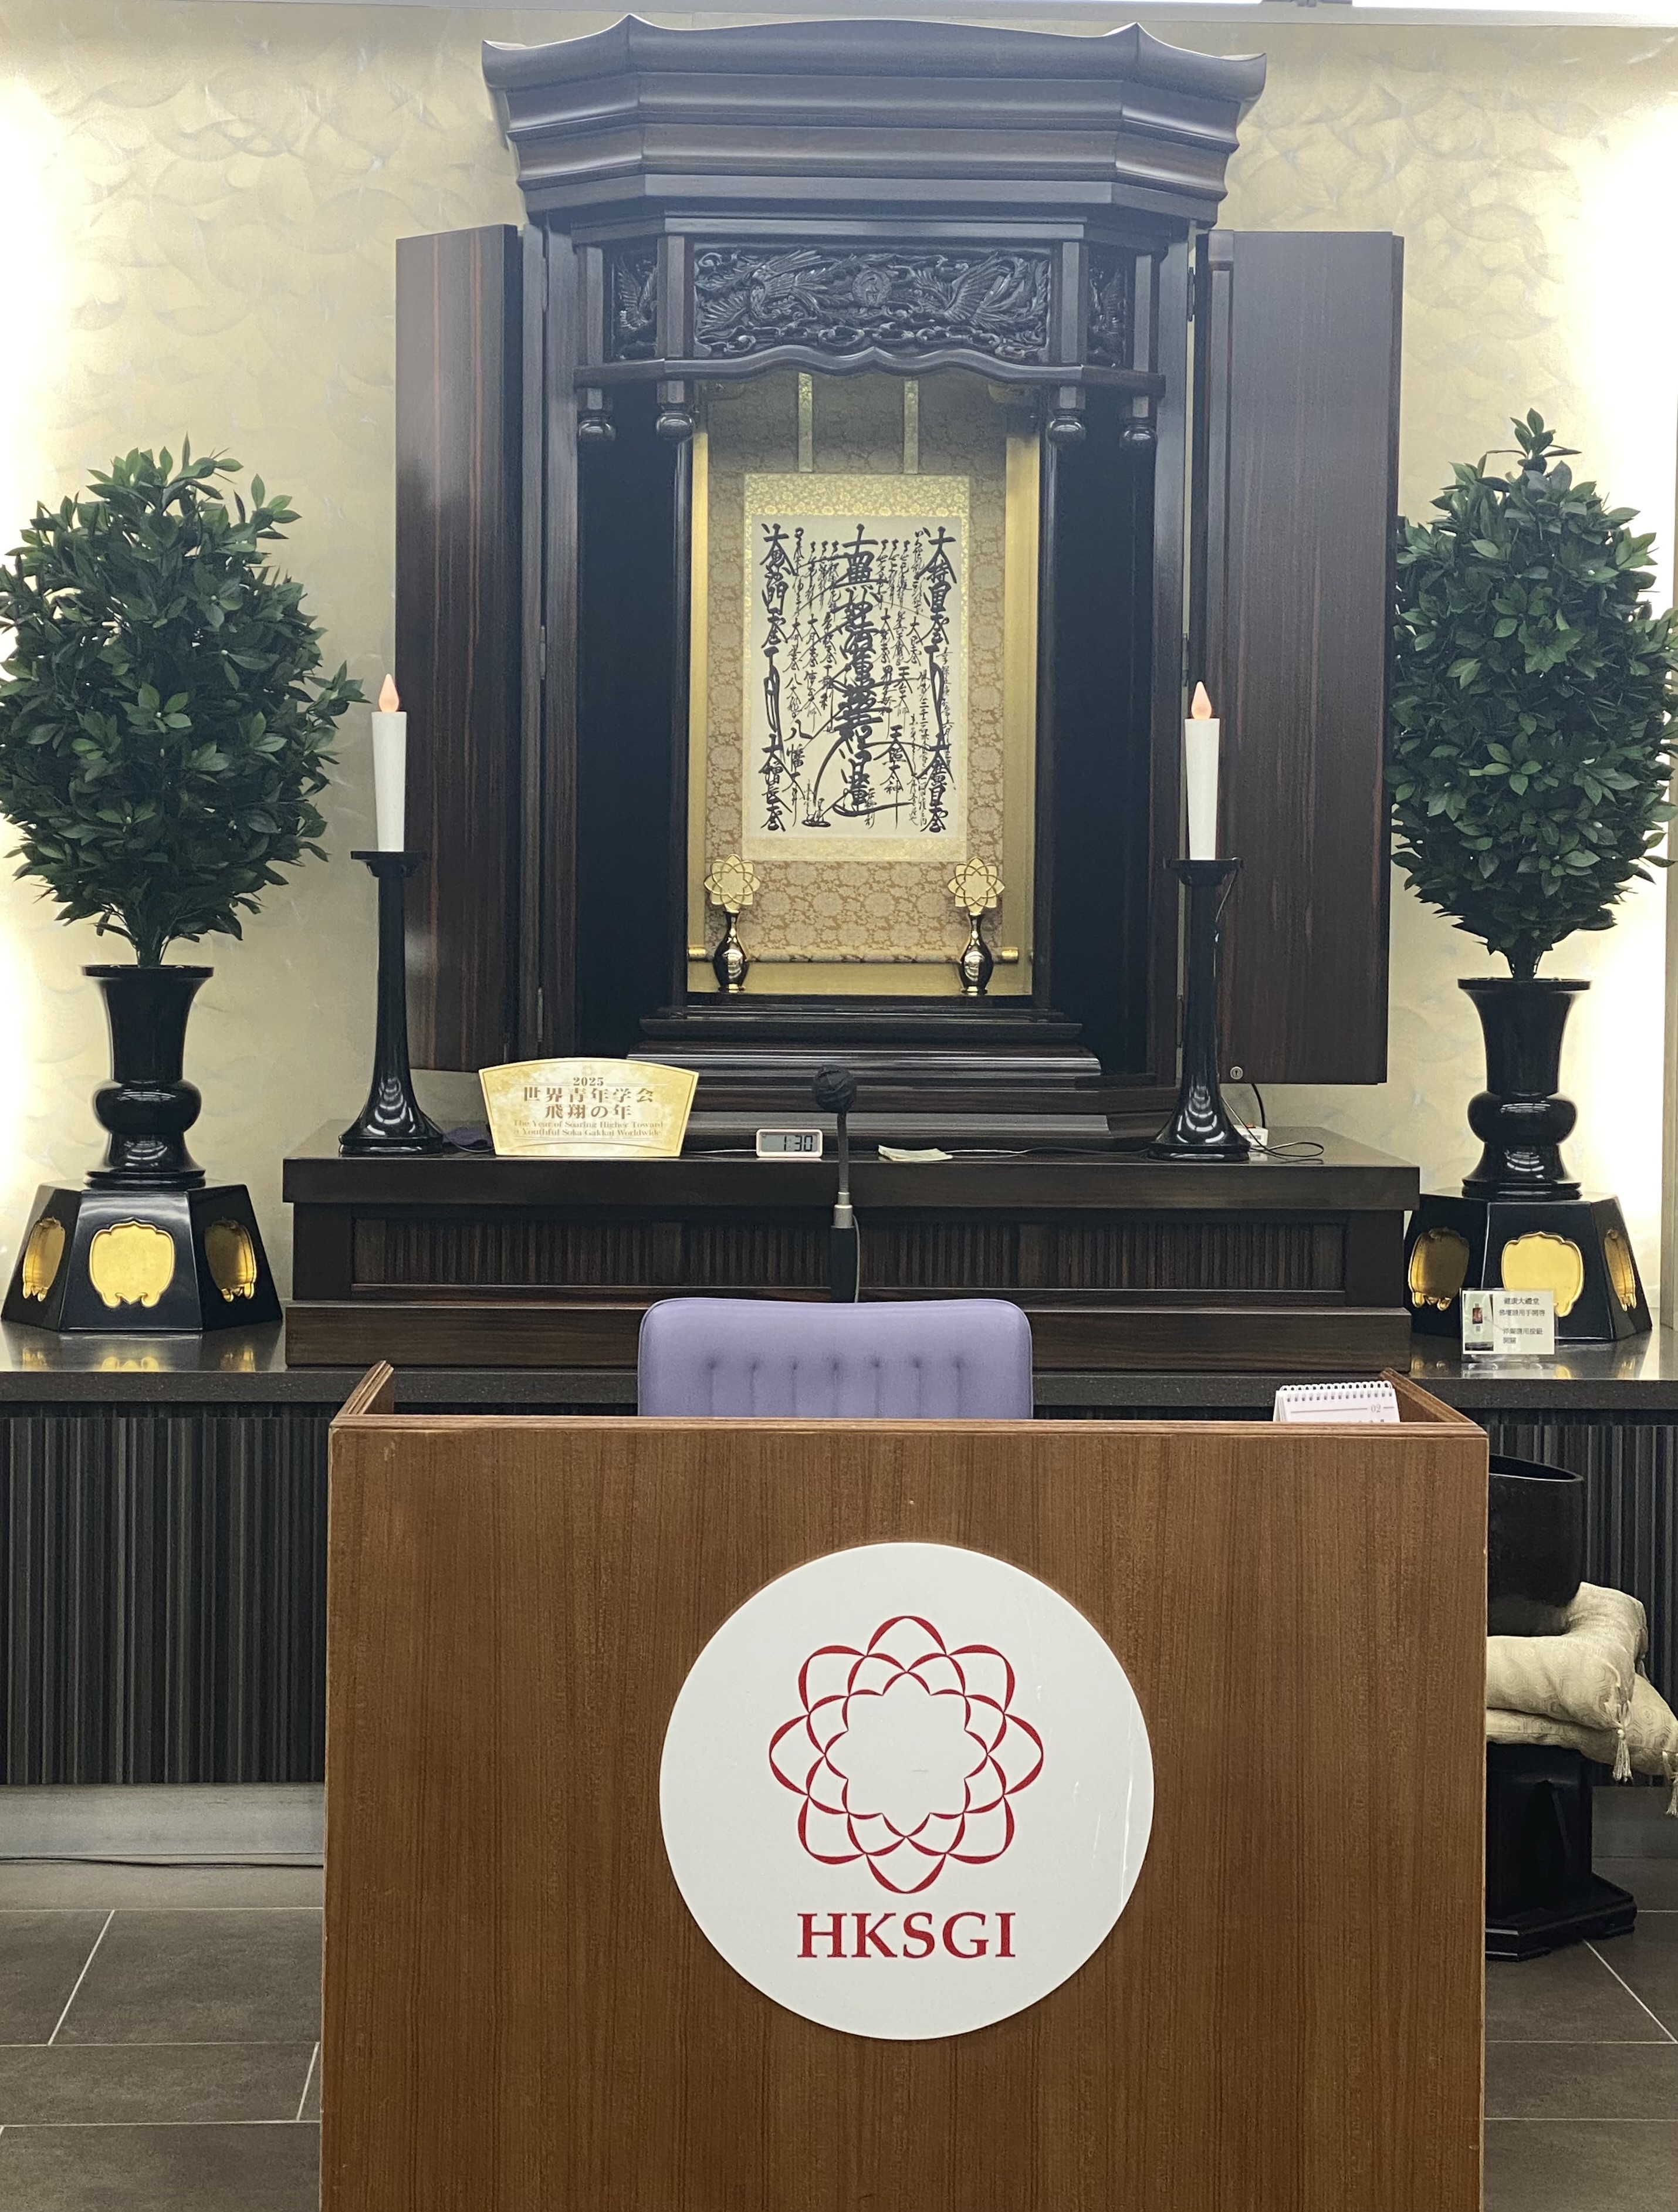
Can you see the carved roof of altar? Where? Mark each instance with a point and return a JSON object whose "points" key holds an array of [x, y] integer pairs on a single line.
{"points": [[866, 115]]}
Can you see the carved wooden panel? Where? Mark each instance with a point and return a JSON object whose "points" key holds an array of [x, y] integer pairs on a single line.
{"points": [[1110, 290], [841, 301], [632, 304]]}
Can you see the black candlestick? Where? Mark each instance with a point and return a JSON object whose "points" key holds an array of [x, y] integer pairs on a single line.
{"points": [[1200, 1128], [392, 1121]]}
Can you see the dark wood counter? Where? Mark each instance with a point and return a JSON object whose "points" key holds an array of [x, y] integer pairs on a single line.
{"points": [[1120, 1262], [163, 1521], [250, 1370]]}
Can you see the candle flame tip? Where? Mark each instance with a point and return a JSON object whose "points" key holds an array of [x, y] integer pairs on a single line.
{"points": [[390, 702], [1201, 708]]}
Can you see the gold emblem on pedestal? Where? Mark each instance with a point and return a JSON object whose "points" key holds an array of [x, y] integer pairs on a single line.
{"points": [[1622, 1268], [733, 886], [42, 1256], [131, 1263], [232, 1258], [1541, 1262], [1439, 1267]]}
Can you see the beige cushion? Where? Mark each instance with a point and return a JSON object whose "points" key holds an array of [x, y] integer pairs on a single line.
{"points": [[1583, 1677], [1649, 1742]]}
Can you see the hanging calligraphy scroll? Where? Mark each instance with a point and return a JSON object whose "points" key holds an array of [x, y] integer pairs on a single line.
{"points": [[857, 667]]}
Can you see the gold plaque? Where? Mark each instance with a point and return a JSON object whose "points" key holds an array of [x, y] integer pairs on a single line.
{"points": [[232, 1258], [41, 1257], [131, 1263], [1439, 1267], [588, 1110], [1541, 1262], [1622, 1268]]}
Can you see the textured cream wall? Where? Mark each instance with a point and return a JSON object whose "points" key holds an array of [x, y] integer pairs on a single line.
{"points": [[1523, 169], [201, 208]]}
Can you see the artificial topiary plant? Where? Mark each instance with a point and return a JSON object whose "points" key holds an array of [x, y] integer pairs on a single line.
{"points": [[1530, 751], [162, 734]]}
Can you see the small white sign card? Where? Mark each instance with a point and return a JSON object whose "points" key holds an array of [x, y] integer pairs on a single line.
{"points": [[1510, 1324]]}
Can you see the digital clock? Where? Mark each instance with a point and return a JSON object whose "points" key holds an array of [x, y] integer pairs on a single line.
{"points": [[789, 1144]]}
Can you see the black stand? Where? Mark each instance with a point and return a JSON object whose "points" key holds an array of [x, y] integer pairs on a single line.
{"points": [[392, 1121], [1540, 1894], [834, 1091], [1200, 1128]]}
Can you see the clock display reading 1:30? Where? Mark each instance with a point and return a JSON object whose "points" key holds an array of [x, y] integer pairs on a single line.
{"points": [[789, 1144]]}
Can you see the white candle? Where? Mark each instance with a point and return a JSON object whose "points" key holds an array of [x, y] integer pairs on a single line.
{"points": [[1199, 755], [389, 767]]}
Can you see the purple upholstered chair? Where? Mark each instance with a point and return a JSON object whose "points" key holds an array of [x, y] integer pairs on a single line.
{"points": [[949, 1359]]}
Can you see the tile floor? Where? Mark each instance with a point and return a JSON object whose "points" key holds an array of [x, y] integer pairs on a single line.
{"points": [[158, 2048], [159, 2038], [1582, 2064]]}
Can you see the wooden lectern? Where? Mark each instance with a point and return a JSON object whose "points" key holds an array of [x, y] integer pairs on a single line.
{"points": [[520, 2015]]}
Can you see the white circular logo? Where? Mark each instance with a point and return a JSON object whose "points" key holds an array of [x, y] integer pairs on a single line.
{"points": [[906, 1791]]}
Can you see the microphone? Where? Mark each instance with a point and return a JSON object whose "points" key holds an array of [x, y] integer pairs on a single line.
{"points": [[834, 1091]]}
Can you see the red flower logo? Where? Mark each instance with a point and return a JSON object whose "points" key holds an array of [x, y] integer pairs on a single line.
{"points": [[906, 1755]]}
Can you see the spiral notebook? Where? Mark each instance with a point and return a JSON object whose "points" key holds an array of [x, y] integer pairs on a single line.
{"points": [[1336, 1402]]}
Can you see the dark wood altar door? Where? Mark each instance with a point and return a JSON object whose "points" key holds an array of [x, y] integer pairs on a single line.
{"points": [[1297, 487], [528, 905]]}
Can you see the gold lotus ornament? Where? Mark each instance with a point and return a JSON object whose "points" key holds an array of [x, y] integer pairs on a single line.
{"points": [[232, 1258], [1622, 1268], [976, 887], [1541, 1262], [1439, 1267], [43, 1255], [131, 1263], [732, 884]]}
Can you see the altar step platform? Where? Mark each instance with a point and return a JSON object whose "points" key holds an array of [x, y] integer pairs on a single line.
{"points": [[1286, 1265]]}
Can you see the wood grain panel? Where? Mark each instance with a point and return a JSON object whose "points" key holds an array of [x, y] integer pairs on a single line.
{"points": [[1183, 1256], [459, 344], [498, 1250], [904, 1252], [589, 1329], [520, 2011], [1299, 438]]}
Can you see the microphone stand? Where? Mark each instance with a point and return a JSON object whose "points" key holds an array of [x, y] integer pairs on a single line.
{"points": [[834, 1091]]}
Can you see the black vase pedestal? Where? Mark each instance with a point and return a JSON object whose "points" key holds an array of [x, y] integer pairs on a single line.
{"points": [[147, 1248], [1577, 1248], [1522, 1222]]}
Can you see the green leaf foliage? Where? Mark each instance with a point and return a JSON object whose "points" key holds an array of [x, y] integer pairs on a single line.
{"points": [[163, 728], [1529, 746]]}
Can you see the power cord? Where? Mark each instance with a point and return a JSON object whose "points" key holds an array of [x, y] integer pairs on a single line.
{"points": [[1303, 1148]]}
